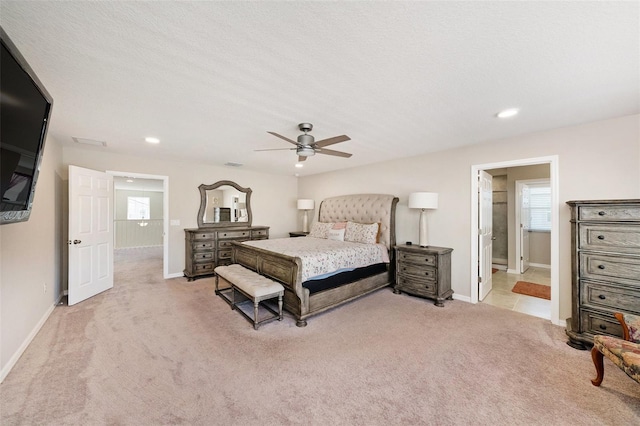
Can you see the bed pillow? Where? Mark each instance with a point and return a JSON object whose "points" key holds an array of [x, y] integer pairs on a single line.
{"points": [[362, 232], [320, 229], [336, 234]]}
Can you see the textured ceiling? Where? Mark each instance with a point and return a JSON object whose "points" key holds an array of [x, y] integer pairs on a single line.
{"points": [[400, 78]]}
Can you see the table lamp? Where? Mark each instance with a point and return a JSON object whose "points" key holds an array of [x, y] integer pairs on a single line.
{"points": [[305, 205], [423, 201]]}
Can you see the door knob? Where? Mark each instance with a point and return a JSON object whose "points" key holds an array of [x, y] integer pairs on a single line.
{"points": [[76, 241]]}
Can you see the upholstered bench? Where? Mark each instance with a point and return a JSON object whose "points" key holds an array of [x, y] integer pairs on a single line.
{"points": [[625, 352], [253, 286]]}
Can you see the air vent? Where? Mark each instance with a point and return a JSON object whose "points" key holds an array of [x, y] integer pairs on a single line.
{"points": [[233, 164], [85, 141]]}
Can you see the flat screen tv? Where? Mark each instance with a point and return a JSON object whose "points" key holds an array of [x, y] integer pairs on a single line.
{"points": [[25, 108]]}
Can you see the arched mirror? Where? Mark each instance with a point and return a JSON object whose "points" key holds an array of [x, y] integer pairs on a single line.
{"points": [[224, 203]]}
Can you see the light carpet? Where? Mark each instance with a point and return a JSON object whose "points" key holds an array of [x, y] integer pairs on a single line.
{"points": [[153, 351]]}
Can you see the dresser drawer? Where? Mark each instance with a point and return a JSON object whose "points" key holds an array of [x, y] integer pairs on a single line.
{"points": [[616, 238], [203, 236], [417, 258], [259, 234], [426, 273], [205, 256], [222, 244], [609, 212], [200, 268], [234, 234], [616, 298], [203, 245], [416, 286], [224, 254], [610, 268], [599, 323]]}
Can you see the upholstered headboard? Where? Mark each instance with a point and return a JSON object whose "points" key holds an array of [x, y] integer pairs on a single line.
{"points": [[363, 208]]}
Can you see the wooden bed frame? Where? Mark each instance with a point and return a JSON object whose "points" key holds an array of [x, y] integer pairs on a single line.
{"points": [[362, 208]]}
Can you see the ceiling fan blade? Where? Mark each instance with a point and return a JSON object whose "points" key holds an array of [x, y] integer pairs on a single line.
{"points": [[332, 152], [301, 158], [275, 149], [331, 141], [283, 138]]}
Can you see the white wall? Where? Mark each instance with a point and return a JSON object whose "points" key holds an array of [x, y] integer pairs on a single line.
{"points": [[30, 258], [273, 197], [596, 161]]}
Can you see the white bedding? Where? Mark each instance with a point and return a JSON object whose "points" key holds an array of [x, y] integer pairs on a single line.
{"points": [[321, 256]]}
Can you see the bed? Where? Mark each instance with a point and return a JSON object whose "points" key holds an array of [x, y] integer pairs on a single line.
{"points": [[301, 298]]}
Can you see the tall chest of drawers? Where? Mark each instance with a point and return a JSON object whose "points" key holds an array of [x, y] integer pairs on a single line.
{"points": [[424, 272], [605, 267], [206, 248]]}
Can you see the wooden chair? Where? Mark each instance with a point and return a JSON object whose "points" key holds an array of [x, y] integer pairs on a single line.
{"points": [[625, 353]]}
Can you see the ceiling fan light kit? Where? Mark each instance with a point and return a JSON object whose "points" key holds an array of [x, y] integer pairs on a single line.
{"points": [[306, 146]]}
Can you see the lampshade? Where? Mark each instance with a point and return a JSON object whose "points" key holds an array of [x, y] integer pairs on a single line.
{"points": [[423, 200], [305, 204]]}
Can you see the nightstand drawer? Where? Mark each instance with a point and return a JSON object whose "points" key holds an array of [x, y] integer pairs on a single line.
{"points": [[256, 234], [417, 258], [411, 285], [610, 212], [426, 273], [617, 298], [620, 239]]}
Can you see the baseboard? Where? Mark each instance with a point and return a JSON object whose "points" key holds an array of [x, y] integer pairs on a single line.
{"points": [[16, 356], [467, 299], [176, 275], [499, 266], [513, 271], [540, 265]]}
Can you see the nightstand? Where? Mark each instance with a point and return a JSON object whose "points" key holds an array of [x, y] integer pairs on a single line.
{"points": [[424, 272], [298, 234]]}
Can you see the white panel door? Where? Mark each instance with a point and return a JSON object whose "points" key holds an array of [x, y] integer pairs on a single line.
{"points": [[90, 233], [525, 226], [485, 234]]}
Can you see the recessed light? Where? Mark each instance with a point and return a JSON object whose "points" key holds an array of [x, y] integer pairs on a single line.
{"points": [[152, 140], [508, 113], [299, 165]]}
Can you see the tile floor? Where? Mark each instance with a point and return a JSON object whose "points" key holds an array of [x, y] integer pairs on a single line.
{"points": [[502, 296]]}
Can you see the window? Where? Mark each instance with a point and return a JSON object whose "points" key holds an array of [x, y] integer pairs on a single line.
{"points": [[540, 207], [138, 208]]}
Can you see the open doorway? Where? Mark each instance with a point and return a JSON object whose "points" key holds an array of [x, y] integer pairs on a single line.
{"points": [[141, 217], [511, 266]]}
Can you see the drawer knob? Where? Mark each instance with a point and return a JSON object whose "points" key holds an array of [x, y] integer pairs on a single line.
{"points": [[602, 296], [601, 213], [601, 237], [426, 273], [603, 327], [600, 266]]}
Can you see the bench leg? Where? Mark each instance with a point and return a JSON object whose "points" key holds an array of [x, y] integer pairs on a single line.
{"points": [[255, 314], [597, 356], [280, 307]]}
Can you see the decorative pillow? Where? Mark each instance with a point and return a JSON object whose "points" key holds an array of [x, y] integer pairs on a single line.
{"points": [[320, 229], [340, 225], [362, 233], [336, 234]]}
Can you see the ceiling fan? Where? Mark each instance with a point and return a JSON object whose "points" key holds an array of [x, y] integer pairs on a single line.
{"points": [[306, 145]]}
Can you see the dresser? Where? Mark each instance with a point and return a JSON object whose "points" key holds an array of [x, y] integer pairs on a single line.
{"points": [[206, 248], [424, 271], [605, 267]]}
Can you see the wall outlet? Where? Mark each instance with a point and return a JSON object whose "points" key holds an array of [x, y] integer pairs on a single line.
{"points": [[45, 287], [175, 222]]}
